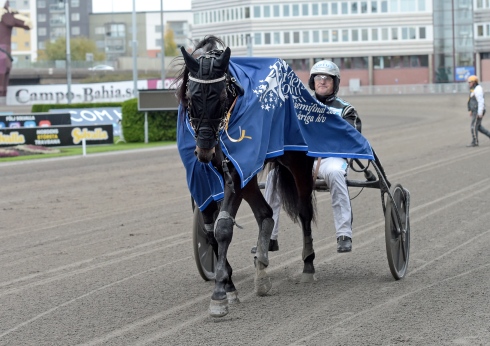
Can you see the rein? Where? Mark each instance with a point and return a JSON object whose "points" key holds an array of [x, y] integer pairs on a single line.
{"points": [[7, 53]]}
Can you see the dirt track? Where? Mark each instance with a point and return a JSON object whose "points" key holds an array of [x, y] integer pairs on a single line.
{"points": [[97, 250]]}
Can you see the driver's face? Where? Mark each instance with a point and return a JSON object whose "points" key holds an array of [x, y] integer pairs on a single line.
{"points": [[323, 84]]}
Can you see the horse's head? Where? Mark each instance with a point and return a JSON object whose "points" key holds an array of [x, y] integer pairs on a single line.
{"points": [[12, 18], [206, 93]]}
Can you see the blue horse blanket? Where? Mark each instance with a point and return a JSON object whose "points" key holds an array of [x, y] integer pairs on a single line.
{"points": [[275, 114]]}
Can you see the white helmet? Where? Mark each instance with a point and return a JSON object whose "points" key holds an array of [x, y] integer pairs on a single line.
{"points": [[325, 67]]}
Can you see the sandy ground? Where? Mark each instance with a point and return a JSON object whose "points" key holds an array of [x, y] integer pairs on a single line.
{"points": [[97, 250]]}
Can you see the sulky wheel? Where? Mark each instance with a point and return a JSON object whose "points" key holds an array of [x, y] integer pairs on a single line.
{"points": [[397, 230], [203, 252]]}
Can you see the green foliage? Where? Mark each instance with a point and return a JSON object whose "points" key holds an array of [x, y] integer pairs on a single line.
{"points": [[162, 126], [170, 45], [79, 46]]}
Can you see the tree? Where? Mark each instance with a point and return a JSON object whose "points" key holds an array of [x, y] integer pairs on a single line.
{"points": [[79, 47], [170, 45]]}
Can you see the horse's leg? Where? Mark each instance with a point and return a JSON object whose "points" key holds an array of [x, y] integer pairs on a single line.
{"points": [[263, 214], [223, 233], [209, 215]]}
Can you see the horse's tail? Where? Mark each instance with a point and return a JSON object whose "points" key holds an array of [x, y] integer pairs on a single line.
{"points": [[284, 184]]}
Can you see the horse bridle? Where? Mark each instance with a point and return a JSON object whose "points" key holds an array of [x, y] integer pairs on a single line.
{"points": [[209, 128]]}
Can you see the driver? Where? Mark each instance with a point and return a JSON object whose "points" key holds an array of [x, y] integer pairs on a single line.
{"points": [[325, 80]]}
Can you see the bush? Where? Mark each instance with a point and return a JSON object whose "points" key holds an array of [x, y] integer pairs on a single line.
{"points": [[162, 126]]}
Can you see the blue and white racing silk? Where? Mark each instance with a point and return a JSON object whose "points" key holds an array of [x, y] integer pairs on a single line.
{"points": [[275, 114]]}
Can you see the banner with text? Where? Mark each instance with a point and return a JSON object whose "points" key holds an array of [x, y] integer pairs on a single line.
{"points": [[57, 136], [94, 116]]}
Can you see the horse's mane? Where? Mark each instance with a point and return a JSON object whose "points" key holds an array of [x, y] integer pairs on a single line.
{"points": [[3, 11], [208, 43]]}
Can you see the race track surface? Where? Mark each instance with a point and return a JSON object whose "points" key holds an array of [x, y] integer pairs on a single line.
{"points": [[97, 250]]}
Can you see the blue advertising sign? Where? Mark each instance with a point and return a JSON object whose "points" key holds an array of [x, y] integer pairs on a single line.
{"points": [[463, 72], [95, 116]]}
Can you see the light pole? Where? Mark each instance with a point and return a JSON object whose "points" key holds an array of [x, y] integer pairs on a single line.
{"points": [[68, 53], [163, 44], [135, 61]]}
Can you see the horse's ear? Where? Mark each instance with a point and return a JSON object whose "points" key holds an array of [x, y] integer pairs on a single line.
{"points": [[7, 5], [224, 58], [191, 63]]}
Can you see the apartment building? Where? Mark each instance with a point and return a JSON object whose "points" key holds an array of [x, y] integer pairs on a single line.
{"points": [[51, 19]]}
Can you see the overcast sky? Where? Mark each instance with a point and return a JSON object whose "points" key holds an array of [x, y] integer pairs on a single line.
{"points": [[141, 5]]}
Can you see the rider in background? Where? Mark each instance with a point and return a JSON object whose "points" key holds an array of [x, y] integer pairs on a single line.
{"points": [[325, 81], [476, 107]]}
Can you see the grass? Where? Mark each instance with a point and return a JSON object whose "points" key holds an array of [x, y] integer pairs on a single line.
{"points": [[90, 149]]}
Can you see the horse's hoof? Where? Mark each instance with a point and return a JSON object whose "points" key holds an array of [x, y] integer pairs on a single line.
{"points": [[232, 297], [262, 285], [308, 277], [218, 308]]}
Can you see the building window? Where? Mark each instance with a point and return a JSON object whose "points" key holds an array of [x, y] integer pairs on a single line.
{"points": [[314, 9], [277, 38], [325, 36], [364, 7], [374, 6], [374, 34], [306, 37], [75, 17], [394, 33], [100, 30], [353, 8], [256, 11], [316, 36], [364, 34], [75, 30], [335, 36], [305, 10], [422, 33], [41, 4], [41, 45], [258, 38], [287, 38], [324, 8], [276, 10], [345, 7], [26, 44], [267, 38], [13, 46], [75, 3], [41, 31], [335, 8], [295, 10], [41, 18], [247, 12], [345, 35], [384, 6], [267, 11], [285, 10], [296, 37], [355, 35]]}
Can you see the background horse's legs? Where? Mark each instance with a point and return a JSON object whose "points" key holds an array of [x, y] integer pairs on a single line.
{"points": [[263, 214], [223, 233]]}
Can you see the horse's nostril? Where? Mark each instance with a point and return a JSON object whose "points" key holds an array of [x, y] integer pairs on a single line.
{"points": [[195, 152]]}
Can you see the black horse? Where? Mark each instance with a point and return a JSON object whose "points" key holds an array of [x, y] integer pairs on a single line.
{"points": [[207, 93]]}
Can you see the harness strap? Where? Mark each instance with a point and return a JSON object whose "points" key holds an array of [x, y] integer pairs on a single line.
{"points": [[7, 53]]}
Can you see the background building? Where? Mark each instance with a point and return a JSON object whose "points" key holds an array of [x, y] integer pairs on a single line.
{"points": [[51, 19], [24, 43], [374, 42]]}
